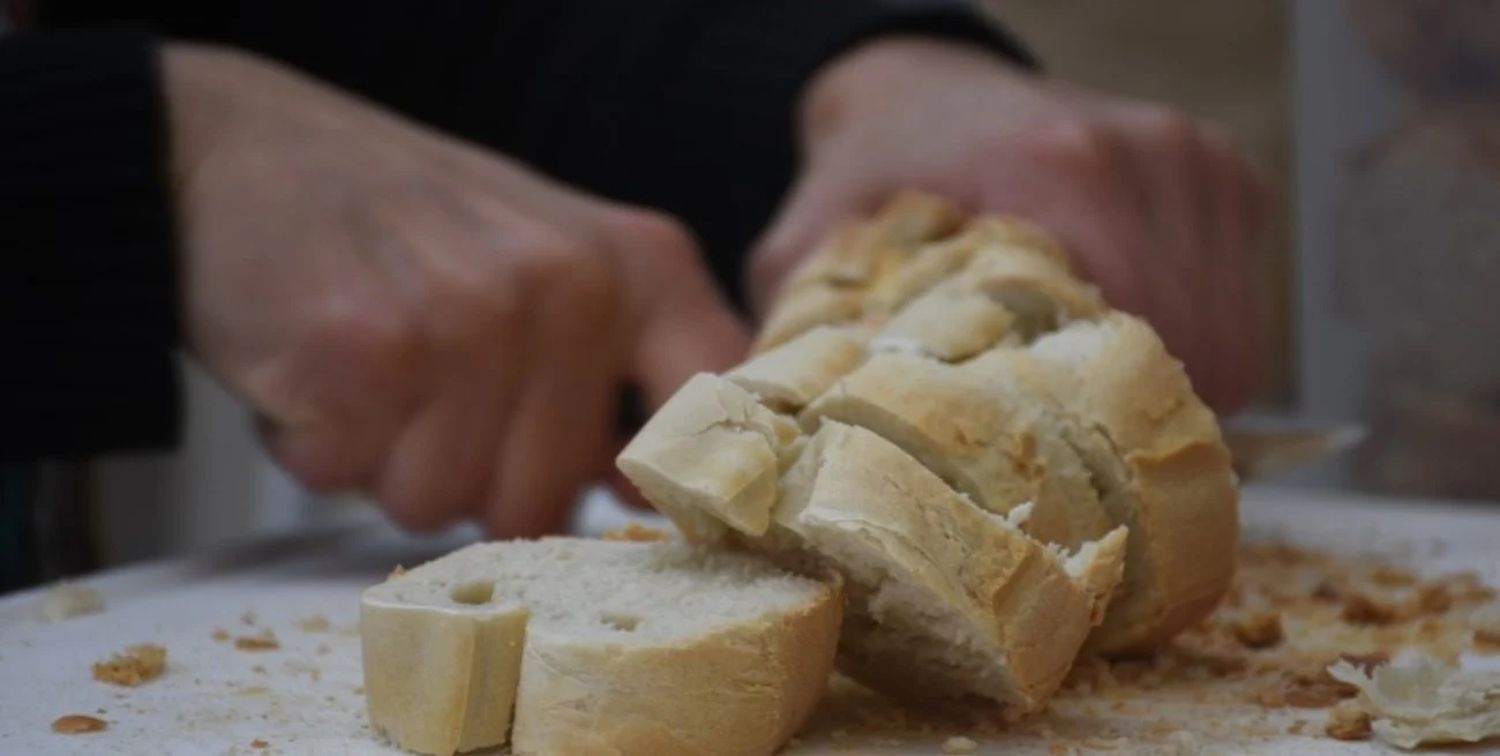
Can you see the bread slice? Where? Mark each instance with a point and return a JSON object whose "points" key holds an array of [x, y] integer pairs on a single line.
{"points": [[946, 599], [598, 647], [1110, 388], [710, 459], [986, 441], [943, 596], [830, 286]]}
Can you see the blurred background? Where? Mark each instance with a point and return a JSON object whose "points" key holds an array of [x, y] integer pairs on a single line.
{"points": [[1377, 125]]}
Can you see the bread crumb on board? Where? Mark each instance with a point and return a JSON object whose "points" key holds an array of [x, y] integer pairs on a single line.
{"points": [[266, 641], [635, 531], [75, 724], [68, 600], [1261, 630], [258, 743], [220, 634], [396, 572], [317, 623], [960, 744], [135, 665], [1347, 722]]}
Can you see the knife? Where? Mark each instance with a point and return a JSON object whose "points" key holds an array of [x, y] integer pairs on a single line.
{"points": [[1260, 452]]}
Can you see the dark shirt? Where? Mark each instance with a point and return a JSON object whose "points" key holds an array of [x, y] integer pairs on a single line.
{"points": [[681, 105]]}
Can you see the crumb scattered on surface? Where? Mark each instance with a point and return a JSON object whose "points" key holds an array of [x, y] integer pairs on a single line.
{"points": [[135, 665], [1347, 722], [960, 744], [258, 743], [1364, 610], [258, 669], [74, 724], [314, 624], [266, 641], [1260, 630], [396, 572], [1486, 639], [637, 532], [220, 634], [1295, 728], [67, 600]]}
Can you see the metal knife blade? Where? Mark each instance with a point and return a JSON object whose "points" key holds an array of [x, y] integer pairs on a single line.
{"points": [[1260, 452]]}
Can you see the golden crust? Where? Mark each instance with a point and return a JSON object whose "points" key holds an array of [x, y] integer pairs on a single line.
{"points": [[1129, 409]]}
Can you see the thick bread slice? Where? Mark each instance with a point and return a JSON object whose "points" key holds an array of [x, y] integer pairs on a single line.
{"points": [[710, 456], [944, 597], [600, 647], [1034, 285], [790, 375], [829, 286], [1128, 408], [976, 434], [950, 322]]}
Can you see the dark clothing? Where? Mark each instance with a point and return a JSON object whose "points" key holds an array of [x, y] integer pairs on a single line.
{"points": [[681, 105]]}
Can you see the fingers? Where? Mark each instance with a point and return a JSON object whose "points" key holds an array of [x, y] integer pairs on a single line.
{"points": [[683, 325], [1170, 163], [1236, 211], [556, 437], [823, 197]]}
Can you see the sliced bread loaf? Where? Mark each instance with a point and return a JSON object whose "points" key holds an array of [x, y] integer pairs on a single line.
{"points": [[945, 599], [596, 647], [971, 348]]}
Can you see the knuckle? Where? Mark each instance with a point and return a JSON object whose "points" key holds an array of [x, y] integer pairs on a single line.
{"points": [[376, 335], [657, 234], [1077, 144], [411, 512], [1168, 125]]}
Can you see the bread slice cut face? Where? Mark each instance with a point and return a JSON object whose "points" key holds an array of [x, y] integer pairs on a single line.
{"points": [[583, 646]]}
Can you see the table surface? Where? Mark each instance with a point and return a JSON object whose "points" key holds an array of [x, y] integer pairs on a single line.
{"points": [[305, 696]]}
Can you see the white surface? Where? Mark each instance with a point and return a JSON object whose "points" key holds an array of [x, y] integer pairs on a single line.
{"points": [[211, 699]]}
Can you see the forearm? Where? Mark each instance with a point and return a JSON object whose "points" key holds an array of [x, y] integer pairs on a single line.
{"points": [[87, 275], [682, 105]]}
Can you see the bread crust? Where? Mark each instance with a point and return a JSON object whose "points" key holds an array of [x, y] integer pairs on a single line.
{"points": [[1129, 409], [440, 679]]}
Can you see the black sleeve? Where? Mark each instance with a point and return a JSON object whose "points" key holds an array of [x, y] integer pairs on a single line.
{"points": [[87, 268], [682, 105]]}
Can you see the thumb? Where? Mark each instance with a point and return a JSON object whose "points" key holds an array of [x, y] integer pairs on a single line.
{"points": [[820, 200], [683, 324]]}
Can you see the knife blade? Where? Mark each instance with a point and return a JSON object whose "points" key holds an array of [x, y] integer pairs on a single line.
{"points": [[1260, 452]]}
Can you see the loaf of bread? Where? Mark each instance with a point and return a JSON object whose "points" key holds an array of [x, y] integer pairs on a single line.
{"points": [[939, 410], [571, 646]]}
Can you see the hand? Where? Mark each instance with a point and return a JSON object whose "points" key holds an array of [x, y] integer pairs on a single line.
{"points": [[412, 316], [1158, 210]]}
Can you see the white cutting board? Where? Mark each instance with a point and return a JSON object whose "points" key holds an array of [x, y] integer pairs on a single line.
{"points": [[304, 698]]}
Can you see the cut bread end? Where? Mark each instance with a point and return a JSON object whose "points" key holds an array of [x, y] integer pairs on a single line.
{"points": [[597, 647]]}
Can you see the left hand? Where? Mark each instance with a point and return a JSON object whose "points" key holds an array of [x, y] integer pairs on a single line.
{"points": [[1158, 210]]}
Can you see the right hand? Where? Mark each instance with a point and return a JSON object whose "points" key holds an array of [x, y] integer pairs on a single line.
{"points": [[412, 316]]}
